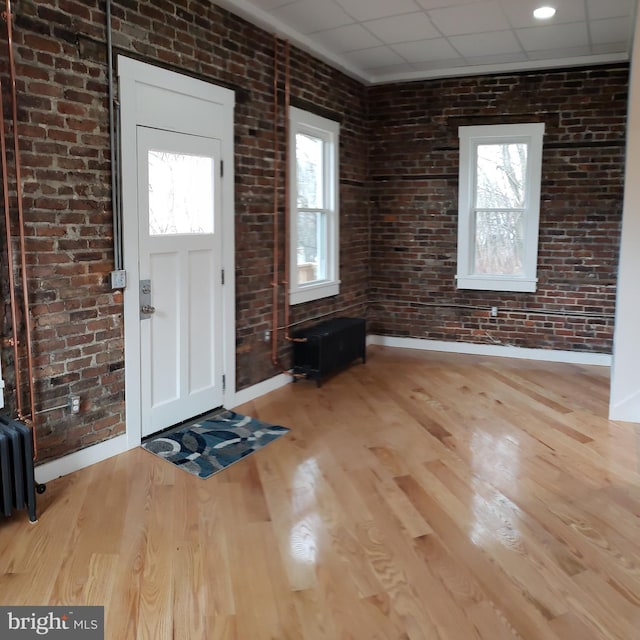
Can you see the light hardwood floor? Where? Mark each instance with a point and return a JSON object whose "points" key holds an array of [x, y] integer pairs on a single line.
{"points": [[418, 496]]}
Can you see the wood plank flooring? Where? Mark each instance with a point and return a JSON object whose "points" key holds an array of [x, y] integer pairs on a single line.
{"points": [[419, 496]]}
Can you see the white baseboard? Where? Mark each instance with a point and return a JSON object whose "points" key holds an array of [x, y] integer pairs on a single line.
{"points": [[260, 389], [96, 453], [80, 459], [549, 355], [626, 410]]}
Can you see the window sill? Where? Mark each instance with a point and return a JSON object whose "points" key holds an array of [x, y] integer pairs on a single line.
{"points": [[496, 283], [315, 291]]}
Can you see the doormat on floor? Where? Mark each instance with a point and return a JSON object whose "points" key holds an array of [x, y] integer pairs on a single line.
{"points": [[214, 442]]}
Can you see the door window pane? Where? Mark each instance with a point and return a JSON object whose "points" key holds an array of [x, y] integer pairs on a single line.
{"points": [[311, 242], [309, 156], [499, 246], [500, 175], [180, 193]]}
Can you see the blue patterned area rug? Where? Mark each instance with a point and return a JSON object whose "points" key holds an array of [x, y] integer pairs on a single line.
{"points": [[213, 442]]}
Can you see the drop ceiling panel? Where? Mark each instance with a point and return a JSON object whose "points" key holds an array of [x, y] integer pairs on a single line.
{"points": [[267, 5], [520, 14], [471, 18], [427, 50], [308, 16], [404, 28], [393, 40], [348, 38], [605, 49], [599, 9], [376, 57], [486, 44], [363, 10], [609, 31], [438, 4], [556, 37]]}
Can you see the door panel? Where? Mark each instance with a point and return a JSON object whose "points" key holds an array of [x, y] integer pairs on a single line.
{"points": [[202, 319], [164, 329], [180, 252]]}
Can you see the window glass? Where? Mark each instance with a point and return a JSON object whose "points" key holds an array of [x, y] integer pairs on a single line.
{"points": [[500, 175], [309, 158], [311, 246], [180, 193], [499, 245]]}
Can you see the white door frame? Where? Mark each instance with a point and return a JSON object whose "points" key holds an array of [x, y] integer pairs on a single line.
{"points": [[151, 96]]}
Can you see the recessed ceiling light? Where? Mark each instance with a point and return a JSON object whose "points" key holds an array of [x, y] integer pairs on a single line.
{"points": [[544, 13]]}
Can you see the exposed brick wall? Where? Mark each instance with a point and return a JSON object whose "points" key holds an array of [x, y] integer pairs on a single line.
{"points": [[398, 197], [77, 320], [63, 116], [316, 87], [414, 174]]}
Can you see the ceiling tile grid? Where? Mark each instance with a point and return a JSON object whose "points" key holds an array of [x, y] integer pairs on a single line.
{"points": [[392, 40]]}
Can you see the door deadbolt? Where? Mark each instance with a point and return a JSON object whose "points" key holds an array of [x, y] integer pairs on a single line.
{"points": [[146, 308]]}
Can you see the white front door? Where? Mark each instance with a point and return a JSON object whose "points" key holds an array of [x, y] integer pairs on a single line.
{"points": [[177, 237], [180, 253]]}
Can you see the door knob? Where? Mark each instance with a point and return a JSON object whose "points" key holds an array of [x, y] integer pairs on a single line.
{"points": [[145, 300]]}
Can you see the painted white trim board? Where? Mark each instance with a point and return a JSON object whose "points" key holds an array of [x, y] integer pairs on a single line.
{"points": [[471, 348], [259, 389], [625, 383], [80, 459], [77, 460], [103, 450], [627, 410]]}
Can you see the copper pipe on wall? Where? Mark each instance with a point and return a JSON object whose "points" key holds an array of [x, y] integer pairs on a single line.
{"points": [[23, 260], [287, 188], [276, 213], [13, 341], [287, 191]]}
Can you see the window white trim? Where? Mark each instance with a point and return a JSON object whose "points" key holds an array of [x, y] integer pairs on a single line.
{"points": [[470, 137], [329, 132]]}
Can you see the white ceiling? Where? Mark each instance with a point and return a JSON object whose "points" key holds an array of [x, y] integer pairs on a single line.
{"points": [[381, 41]]}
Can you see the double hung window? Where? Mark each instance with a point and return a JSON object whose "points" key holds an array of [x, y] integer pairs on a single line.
{"points": [[314, 223], [499, 206]]}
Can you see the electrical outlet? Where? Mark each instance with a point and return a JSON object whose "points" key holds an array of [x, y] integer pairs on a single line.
{"points": [[494, 312], [267, 336], [74, 404]]}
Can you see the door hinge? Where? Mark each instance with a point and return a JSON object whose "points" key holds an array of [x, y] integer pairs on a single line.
{"points": [[222, 276], [224, 382], [222, 168]]}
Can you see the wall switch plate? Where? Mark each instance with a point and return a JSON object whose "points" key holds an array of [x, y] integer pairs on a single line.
{"points": [[118, 279]]}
